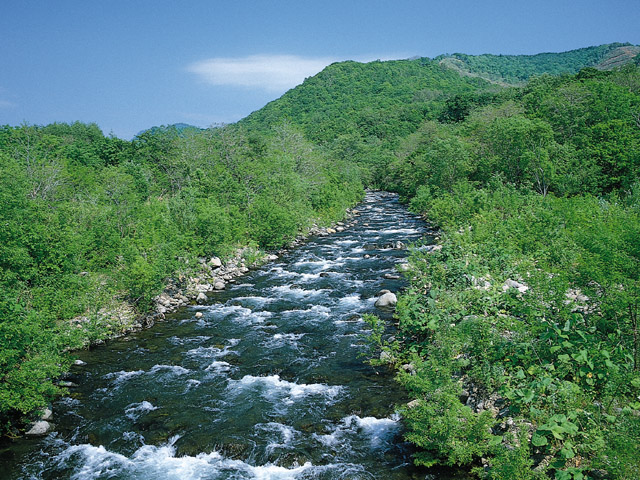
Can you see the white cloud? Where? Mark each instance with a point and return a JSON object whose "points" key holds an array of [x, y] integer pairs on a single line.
{"points": [[270, 72]]}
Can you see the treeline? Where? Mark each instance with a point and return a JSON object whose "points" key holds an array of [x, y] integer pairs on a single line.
{"points": [[88, 219], [519, 339]]}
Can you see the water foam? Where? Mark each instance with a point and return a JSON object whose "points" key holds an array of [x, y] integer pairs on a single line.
{"points": [[136, 410], [91, 463], [273, 388], [378, 430]]}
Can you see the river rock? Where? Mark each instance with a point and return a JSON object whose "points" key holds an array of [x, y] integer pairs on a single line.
{"points": [[67, 384], [391, 276], [199, 315], [382, 292], [40, 427], [215, 262], [386, 300], [79, 362], [46, 414], [202, 298], [164, 300], [219, 285]]}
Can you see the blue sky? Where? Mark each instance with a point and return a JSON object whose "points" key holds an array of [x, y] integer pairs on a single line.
{"points": [[130, 64]]}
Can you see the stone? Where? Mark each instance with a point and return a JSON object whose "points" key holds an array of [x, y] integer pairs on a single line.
{"points": [[39, 428], [399, 245], [202, 298], [521, 287], [404, 267], [66, 384], [413, 403], [215, 262], [46, 414], [339, 229], [199, 314], [79, 363], [164, 300], [219, 285], [331, 230], [391, 276], [382, 292], [385, 356], [367, 256], [272, 257], [386, 300]]}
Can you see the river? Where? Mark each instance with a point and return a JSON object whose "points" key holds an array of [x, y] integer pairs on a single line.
{"points": [[270, 383]]}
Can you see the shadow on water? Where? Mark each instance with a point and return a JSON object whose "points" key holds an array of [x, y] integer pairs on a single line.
{"points": [[269, 383]]}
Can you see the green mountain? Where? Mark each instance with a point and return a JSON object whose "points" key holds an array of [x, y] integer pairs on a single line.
{"points": [[351, 97]]}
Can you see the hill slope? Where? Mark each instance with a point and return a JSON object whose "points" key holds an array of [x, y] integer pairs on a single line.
{"points": [[516, 69]]}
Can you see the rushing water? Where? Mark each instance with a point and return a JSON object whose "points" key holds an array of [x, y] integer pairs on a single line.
{"points": [[269, 383]]}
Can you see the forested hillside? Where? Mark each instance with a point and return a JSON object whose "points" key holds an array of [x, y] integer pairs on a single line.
{"points": [[518, 339], [359, 111], [516, 69]]}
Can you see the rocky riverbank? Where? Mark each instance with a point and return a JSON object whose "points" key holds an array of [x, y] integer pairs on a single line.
{"points": [[196, 285]]}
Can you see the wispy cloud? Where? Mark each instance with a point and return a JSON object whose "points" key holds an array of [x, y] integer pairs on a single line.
{"points": [[274, 73], [269, 72], [6, 104]]}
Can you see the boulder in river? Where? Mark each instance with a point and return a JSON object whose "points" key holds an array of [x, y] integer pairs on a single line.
{"points": [[40, 427], [202, 298], [219, 285], [386, 300]]}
